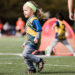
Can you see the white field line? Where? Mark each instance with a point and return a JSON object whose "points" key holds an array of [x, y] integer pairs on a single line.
{"points": [[59, 65], [55, 65], [20, 54]]}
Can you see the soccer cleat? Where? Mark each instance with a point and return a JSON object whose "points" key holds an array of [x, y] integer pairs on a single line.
{"points": [[30, 71], [40, 65]]}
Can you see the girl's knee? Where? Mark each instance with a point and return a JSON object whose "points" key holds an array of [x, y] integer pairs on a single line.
{"points": [[25, 55]]}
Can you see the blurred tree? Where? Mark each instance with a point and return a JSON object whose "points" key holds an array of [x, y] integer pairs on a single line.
{"points": [[12, 9]]}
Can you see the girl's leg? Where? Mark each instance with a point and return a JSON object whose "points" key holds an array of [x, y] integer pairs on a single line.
{"points": [[27, 54], [29, 64], [65, 42]]}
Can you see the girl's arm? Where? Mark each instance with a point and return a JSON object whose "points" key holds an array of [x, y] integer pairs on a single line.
{"points": [[37, 37], [37, 26]]}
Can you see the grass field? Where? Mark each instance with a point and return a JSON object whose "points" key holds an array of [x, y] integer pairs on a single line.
{"points": [[11, 64]]}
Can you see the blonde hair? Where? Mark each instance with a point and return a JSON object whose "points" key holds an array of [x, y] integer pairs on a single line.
{"points": [[39, 12]]}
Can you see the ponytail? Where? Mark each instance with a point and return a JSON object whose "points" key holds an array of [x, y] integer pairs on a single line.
{"points": [[39, 12]]}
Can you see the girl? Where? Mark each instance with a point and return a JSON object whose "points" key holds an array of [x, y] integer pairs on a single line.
{"points": [[60, 34], [33, 33]]}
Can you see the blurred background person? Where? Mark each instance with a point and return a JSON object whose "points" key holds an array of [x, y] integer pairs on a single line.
{"points": [[1, 26], [6, 28], [20, 27]]}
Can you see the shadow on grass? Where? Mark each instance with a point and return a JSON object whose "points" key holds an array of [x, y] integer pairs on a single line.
{"points": [[12, 73]]}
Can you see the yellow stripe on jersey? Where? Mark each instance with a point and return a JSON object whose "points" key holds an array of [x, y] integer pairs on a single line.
{"points": [[30, 31], [31, 20]]}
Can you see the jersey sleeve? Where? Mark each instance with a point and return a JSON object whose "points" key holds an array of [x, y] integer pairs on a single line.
{"points": [[57, 23], [36, 24]]}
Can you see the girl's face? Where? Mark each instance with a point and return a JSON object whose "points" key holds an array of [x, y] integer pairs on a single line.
{"points": [[28, 12]]}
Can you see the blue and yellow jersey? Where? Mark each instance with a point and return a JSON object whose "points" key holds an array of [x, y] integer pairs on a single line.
{"points": [[60, 30], [32, 27]]}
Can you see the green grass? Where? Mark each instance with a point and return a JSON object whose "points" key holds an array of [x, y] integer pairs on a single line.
{"points": [[14, 65], [11, 44]]}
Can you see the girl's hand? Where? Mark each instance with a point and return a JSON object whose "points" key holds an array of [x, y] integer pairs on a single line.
{"points": [[35, 40], [23, 45]]}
